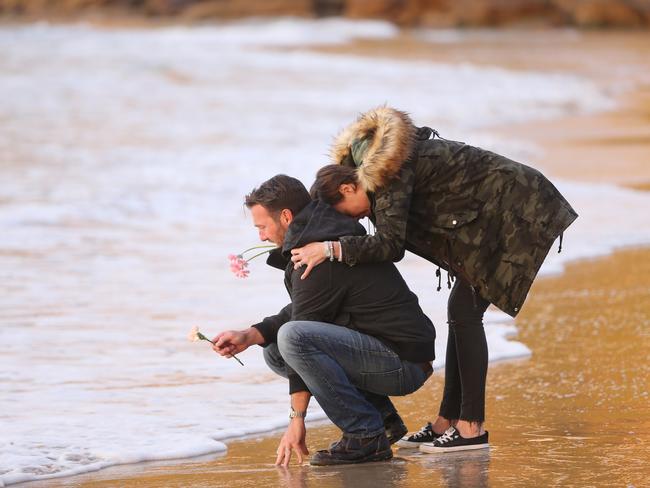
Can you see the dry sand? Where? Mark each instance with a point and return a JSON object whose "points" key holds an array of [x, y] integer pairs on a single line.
{"points": [[576, 412]]}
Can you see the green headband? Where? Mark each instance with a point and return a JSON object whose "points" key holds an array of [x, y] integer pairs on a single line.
{"points": [[358, 150]]}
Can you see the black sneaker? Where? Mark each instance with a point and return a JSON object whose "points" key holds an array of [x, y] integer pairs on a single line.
{"points": [[425, 434], [452, 441], [395, 428], [353, 450]]}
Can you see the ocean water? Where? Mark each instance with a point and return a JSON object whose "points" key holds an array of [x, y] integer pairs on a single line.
{"points": [[124, 158]]}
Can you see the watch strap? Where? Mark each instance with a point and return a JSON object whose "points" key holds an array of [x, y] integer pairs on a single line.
{"points": [[294, 413]]}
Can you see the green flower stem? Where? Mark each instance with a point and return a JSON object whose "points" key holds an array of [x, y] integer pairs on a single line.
{"points": [[257, 247], [260, 253], [203, 338]]}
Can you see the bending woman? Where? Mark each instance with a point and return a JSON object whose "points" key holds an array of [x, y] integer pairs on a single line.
{"points": [[489, 222]]}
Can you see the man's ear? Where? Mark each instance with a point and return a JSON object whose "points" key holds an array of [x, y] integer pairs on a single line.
{"points": [[286, 216], [347, 188]]}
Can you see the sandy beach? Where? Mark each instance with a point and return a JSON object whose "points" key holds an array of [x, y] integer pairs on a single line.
{"points": [[573, 414]]}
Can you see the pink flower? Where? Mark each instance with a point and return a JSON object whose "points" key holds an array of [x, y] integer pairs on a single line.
{"points": [[238, 265]]}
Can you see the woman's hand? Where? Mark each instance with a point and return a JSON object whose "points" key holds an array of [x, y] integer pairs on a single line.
{"points": [[310, 255]]}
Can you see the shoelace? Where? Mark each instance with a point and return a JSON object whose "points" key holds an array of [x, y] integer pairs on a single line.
{"points": [[426, 430], [449, 435]]}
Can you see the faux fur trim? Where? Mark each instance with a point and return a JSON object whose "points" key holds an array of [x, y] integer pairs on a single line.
{"points": [[392, 137]]}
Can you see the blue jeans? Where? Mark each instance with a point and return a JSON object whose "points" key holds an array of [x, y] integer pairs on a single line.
{"points": [[349, 373]]}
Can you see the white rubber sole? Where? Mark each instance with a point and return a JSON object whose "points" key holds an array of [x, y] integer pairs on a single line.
{"points": [[434, 450], [408, 444]]}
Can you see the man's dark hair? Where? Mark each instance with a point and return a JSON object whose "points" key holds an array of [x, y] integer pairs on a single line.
{"points": [[278, 193]]}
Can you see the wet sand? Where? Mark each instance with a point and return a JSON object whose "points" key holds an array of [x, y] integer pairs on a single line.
{"points": [[576, 412]]}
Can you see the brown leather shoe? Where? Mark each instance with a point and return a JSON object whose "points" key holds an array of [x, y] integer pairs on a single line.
{"points": [[352, 450]]}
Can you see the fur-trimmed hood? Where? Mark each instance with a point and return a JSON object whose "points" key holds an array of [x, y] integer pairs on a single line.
{"points": [[377, 144]]}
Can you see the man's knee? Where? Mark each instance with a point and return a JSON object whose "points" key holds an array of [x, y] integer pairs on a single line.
{"points": [[293, 335]]}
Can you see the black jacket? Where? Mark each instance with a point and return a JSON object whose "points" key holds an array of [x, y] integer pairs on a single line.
{"points": [[371, 298]]}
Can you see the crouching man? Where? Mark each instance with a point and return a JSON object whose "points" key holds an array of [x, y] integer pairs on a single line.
{"points": [[350, 337]]}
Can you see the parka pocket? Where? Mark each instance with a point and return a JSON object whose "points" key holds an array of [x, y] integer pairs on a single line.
{"points": [[454, 220], [451, 210]]}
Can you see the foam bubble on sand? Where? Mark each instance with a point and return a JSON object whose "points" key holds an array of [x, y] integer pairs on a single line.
{"points": [[125, 157]]}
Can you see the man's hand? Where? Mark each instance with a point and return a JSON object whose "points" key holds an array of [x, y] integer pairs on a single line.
{"points": [[232, 342], [310, 255], [292, 440]]}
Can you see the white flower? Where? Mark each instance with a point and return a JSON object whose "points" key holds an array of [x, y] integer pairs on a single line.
{"points": [[193, 336]]}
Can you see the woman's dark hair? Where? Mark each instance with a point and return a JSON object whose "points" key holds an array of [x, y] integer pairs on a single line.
{"points": [[328, 180], [278, 193]]}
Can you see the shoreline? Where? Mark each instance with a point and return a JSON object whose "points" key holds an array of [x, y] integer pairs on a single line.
{"points": [[177, 473]]}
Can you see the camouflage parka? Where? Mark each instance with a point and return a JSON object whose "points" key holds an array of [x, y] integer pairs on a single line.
{"points": [[474, 213]]}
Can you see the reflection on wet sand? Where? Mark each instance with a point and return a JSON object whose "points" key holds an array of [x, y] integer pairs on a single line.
{"points": [[463, 469], [389, 474], [467, 469]]}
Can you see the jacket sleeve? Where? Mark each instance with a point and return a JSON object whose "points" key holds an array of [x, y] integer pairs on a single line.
{"points": [[392, 207], [270, 326], [315, 299]]}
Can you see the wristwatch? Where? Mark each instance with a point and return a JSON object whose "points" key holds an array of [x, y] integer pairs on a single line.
{"points": [[294, 414], [327, 245]]}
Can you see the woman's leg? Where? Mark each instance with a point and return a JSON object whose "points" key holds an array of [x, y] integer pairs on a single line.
{"points": [[464, 394], [451, 397]]}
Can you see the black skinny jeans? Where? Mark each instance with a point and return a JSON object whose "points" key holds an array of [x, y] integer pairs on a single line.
{"points": [[467, 356]]}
